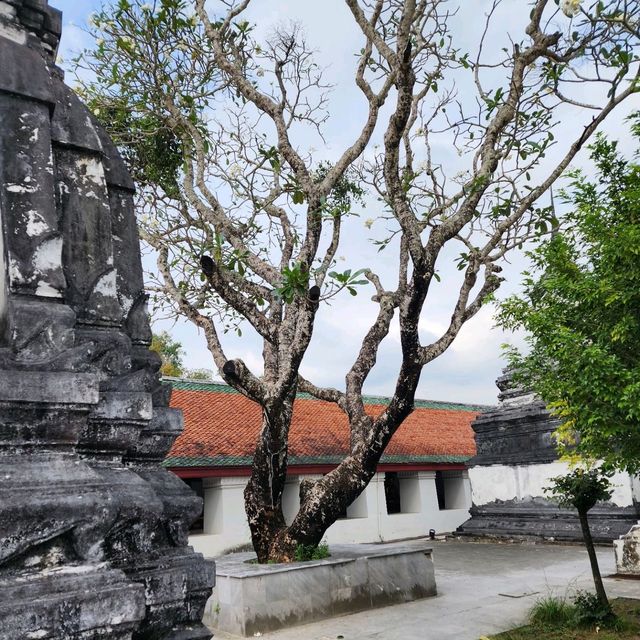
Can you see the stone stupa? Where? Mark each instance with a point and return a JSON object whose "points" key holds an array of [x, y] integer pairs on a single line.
{"points": [[93, 532]]}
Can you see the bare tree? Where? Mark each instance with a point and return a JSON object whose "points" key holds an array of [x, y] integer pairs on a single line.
{"points": [[246, 225]]}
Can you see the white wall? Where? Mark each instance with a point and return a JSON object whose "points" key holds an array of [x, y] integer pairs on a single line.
{"points": [[225, 524], [503, 482], [635, 488]]}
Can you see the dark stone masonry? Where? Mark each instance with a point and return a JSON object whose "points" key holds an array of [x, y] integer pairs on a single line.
{"points": [[93, 532]]}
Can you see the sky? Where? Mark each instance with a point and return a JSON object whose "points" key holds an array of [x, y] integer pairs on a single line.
{"points": [[467, 371]]}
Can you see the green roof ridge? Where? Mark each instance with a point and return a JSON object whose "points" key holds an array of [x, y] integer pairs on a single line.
{"points": [[242, 461], [214, 386]]}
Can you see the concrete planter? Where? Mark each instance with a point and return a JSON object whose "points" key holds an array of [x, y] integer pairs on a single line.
{"points": [[252, 598]]}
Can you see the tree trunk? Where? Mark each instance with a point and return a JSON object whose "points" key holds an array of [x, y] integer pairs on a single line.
{"points": [[263, 493], [593, 559], [325, 499]]}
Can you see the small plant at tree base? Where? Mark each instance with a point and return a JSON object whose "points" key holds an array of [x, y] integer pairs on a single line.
{"points": [[588, 611], [306, 552], [582, 489]]}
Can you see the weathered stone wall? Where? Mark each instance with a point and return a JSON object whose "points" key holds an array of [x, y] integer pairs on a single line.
{"points": [[93, 533], [516, 458]]}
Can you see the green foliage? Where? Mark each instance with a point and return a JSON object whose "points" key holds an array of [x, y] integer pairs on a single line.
{"points": [[585, 611], [127, 97], [349, 280], [170, 351], [581, 488], [344, 194], [581, 310], [295, 282], [625, 625], [306, 552], [552, 611], [198, 374], [589, 611]]}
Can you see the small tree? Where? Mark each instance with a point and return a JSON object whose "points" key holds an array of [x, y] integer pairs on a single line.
{"points": [[580, 306], [582, 489], [246, 220], [198, 374], [170, 351]]}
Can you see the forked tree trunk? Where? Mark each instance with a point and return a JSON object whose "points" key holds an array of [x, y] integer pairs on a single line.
{"points": [[320, 507], [593, 559], [322, 503], [329, 496]]}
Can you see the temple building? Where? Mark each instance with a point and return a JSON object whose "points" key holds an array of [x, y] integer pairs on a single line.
{"points": [[448, 461], [421, 483]]}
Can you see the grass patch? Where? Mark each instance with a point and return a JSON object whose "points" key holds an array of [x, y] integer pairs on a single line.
{"points": [[306, 552], [550, 611], [303, 553], [556, 619]]}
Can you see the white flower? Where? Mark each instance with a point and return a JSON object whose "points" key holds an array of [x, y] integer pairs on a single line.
{"points": [[100, 41], [234, 170], [570, 8], [368, 223], [96, 112], [146, 7]]}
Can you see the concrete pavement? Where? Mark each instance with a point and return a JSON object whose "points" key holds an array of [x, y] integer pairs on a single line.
{"points": [[483, 588]]}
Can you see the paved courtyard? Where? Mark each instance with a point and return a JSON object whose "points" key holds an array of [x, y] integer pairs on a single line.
{"points": [[482, 589]]}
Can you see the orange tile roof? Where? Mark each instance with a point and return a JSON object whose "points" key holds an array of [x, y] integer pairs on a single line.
{"points": [[222, 427]]}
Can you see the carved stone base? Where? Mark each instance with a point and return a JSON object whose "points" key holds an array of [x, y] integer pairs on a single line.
{"points": [[72, 602], [537, 518], [177, 587]]}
